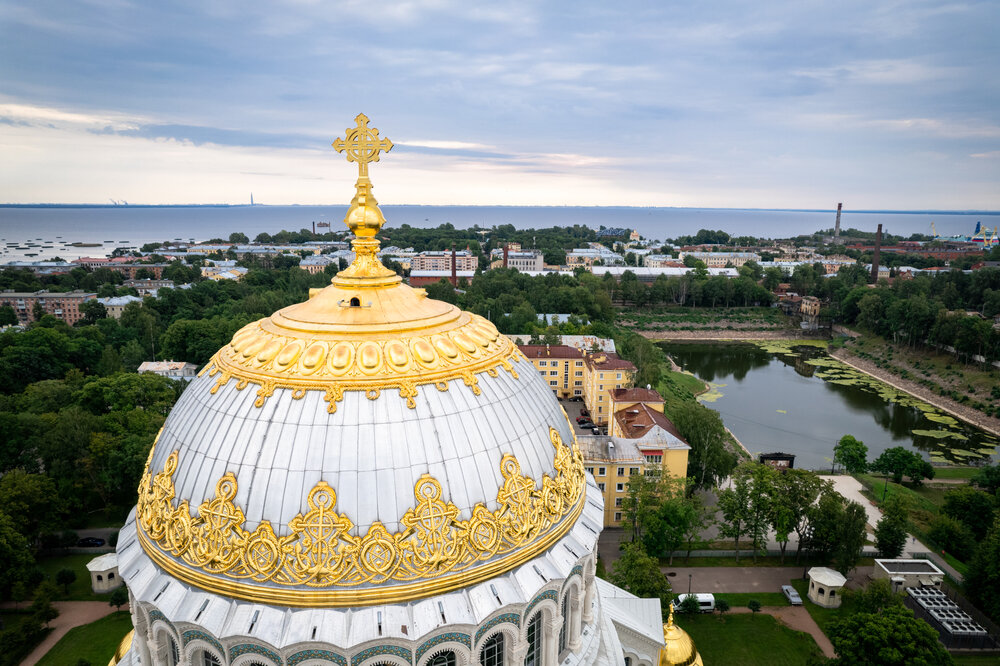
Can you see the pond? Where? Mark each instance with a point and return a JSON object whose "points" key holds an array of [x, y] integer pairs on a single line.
{"points": [[791, 396]]}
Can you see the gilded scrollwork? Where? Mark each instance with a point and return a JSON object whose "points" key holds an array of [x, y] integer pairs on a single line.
{"points": [[320, 550], [271, 361]]}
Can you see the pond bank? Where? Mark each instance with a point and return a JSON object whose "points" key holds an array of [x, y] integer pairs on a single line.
{"points": [[956, 409], [731, 335]]}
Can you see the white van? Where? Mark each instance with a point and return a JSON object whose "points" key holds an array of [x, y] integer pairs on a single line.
{"points": [[706, 602]]}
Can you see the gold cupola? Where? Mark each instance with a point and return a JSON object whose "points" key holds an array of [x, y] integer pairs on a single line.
{"points": [[366, 331], [367, 445], [678, 648]]}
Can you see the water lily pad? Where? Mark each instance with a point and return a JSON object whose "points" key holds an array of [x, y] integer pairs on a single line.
{"points": [[940, 434], [943, 419], [781, 411]]}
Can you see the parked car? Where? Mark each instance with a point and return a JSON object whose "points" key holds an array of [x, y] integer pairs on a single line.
{"points": [[90, 542], [597, 431], [585, 424], [706, 602], [792, 595], [576, 398], [581, 419]]}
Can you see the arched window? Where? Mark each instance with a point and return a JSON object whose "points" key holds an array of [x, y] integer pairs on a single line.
{"points": [[822, 591], [111, 576], [174, 657], [99, 577], [446, 658], [206, 658], [565, 624], [355, 302], [492, 652], [628, 661], [534, 635]]}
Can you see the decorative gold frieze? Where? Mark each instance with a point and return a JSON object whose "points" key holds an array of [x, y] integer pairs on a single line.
{"points": [[436, 552], [271, 361]]}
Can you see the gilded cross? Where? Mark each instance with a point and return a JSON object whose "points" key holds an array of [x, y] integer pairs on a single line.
{"points": [[362, 145]]}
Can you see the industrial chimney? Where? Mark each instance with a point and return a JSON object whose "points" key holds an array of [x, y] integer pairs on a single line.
{"points": [[875, 257], [454, 271], [836, 227]]}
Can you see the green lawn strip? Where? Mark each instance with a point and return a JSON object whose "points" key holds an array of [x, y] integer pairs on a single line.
{"points": [[976, 660], [955, 472], [747, 561], [96, 642], [689, 382], [956, 564], [80, 589], [748, 639], [740, 599]]}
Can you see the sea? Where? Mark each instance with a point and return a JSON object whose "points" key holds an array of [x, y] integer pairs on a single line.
{"points": [[51, 228]]}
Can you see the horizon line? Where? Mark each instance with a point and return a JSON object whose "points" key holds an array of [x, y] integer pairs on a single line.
{"points": [[887, 211]]}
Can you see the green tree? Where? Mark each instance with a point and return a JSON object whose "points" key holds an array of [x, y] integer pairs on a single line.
{"points": [[973, 507], [7, 316], [851, 537], [837, 529], [892, 528], [988, 478], [982, 580], [952, 536], [754, 606], [851, 454], [640, 574], [119, 597], [796, 490], [722, 606], [874, 597], [239, 237], [16, 563], [689, 606], [28, 500], [709, 460], [666, 528], [41, 608], [92, 311], [65, 578], [898, 462], [734, 504], [892, 637]]}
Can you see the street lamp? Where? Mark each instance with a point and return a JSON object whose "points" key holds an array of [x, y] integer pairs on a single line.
{"points": [[689, 583]]}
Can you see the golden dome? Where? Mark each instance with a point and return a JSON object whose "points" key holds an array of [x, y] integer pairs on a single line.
{"points": [[367, 331], [678, 648]]}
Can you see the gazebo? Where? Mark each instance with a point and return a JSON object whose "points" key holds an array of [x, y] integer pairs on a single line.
{"points": [[825, 586], [104, 573]]}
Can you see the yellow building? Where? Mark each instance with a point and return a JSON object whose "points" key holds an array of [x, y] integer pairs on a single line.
{"points": [[611, 460], [562, 367], [603, 372]]}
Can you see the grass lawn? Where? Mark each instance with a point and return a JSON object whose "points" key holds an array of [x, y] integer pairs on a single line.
{"points": [[96, 642], [955, 472], [80, 589], [747, 561], [976, 660], [690, 382], [748, 640], [740, 599]]}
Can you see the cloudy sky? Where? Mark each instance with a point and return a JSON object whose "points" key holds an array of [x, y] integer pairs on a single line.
{"points": [[880, 104]]}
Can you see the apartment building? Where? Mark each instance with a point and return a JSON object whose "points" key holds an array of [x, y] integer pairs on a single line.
{"points": [[61, 305], [722, 259], [441, 261]]}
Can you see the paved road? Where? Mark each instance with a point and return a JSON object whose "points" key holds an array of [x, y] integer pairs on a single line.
{"points": [[731, 579], [71, 614]]}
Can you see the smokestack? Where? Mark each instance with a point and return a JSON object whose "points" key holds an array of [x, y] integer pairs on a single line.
{"points": [[875, 257], [454, 272], [506, 249], [314, 228], [836, 227]]}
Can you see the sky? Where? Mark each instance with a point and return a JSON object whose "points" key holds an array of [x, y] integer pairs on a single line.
{"points": [[798, 104]]}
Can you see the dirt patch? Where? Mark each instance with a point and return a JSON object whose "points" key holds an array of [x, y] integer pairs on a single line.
{"points": [[726, 335]]}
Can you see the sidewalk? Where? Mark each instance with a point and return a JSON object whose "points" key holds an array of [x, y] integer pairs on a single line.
{"points": [[71, 614]]}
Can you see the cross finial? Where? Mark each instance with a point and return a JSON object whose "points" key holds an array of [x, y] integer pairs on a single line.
{"points": [[362, 144]]}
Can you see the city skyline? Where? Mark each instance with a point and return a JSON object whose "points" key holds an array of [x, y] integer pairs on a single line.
{"points": [[730, 105]]}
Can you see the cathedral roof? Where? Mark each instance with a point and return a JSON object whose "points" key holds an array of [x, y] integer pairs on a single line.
{"points": [[367, 445]]}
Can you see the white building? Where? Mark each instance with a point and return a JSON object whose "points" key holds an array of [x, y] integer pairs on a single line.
{"points": [[172, 369], [103, 571]]}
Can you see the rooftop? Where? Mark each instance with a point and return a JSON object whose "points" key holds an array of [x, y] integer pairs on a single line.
{"points": [[635, 395], [550, 351]]}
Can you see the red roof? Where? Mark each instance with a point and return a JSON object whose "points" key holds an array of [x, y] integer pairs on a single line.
{"points": [[608, 361], [639, 419], [635, 395], [550, 351]]}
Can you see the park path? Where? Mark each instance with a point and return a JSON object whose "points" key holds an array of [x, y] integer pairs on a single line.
{"points": [[71, 614], [851, 489], [798, 619]]}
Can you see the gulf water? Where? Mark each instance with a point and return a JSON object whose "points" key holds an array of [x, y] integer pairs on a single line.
{"points": [[112, 226]]}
